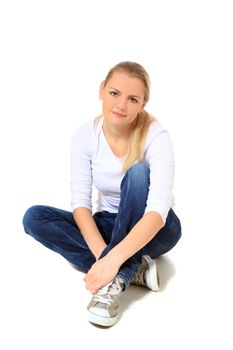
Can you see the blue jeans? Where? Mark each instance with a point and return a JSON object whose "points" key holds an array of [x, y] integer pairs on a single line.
{"points": [[57, 230]]}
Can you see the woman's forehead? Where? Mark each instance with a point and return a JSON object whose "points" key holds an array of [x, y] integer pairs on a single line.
{"points": [[124, 82]]}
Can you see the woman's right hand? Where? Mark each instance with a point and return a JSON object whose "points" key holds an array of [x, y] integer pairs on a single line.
{"points": [[100, 274]]}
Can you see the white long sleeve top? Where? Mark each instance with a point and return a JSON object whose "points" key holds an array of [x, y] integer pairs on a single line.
{"points": [[94, 163]]}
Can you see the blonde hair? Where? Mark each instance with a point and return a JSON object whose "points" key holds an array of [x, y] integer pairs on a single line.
{"points": [[140, 125]]}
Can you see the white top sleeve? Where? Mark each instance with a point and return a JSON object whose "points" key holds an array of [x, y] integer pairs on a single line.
{"points": [[81, 174], [160, 158]]}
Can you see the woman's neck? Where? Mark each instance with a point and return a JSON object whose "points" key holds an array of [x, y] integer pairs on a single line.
{"points": [[115, 133]]}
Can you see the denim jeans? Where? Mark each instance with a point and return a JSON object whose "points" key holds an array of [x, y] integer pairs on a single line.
{"points": [[57, 230]]}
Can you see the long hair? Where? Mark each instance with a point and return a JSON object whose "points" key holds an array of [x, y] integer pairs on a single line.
{"points": [[140, 125]]}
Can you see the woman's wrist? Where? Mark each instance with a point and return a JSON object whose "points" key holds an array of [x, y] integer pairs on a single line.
{"points": [[98, 251], [115, 257]]}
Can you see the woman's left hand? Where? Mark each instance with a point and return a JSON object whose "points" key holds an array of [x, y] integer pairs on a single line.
{"points": [[100, 274]]}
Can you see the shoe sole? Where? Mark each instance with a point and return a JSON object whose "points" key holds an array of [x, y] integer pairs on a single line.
{"points": [[101, 320], [152, 275]]}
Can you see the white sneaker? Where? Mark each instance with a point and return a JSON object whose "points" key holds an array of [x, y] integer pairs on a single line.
{"points": [[103, 307], [147, 275]]}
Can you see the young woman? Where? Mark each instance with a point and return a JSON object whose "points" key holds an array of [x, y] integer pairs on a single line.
{"points": [[128, 156]]}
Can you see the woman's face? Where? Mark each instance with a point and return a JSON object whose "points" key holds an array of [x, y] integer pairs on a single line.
{"points": [[122, 98]]}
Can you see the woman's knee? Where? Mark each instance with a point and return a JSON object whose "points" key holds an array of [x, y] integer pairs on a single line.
{"points": [[139, 169], [138, 174], [31, 216]]}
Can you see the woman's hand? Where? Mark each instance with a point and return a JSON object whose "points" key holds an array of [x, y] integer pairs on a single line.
{"points": [[101, 273]]}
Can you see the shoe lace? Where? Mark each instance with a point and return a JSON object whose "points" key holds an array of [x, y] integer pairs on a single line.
{"points": [[139, 276], [106, 294]]}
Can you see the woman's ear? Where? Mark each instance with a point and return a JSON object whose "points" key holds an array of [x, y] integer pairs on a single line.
{"points": [[142, 106], [101, 90]]}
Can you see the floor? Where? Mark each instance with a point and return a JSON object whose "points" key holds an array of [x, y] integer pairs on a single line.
{"points": [[44, 303]]}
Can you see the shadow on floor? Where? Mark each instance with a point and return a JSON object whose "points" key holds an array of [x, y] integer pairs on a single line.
{"points": [[166, 271]]}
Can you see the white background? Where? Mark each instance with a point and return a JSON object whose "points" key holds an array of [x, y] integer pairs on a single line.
{"points": [[54, 55]]}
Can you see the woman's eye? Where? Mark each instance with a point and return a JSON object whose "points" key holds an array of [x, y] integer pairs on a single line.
{"points": [[133, 100], [113, 93]]}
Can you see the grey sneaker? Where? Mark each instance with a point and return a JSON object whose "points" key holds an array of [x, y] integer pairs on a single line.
{"points": [[147, 275], [103, 308]]}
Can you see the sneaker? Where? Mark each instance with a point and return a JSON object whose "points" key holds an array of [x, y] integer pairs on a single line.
{"points": [[103, 308], [147, 275]]}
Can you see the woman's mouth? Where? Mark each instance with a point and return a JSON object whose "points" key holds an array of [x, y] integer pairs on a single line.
{"points": [[119, 115]]}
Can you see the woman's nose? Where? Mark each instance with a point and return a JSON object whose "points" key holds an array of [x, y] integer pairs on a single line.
{"points": [[121, 104]]}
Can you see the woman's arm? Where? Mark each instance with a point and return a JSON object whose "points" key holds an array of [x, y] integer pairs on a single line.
{"points": [[87, 226], [81, 188], [145, 229], [105, 269]]}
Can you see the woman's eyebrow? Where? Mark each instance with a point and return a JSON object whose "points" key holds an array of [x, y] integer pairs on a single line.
{"points": [[111, 87]]}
